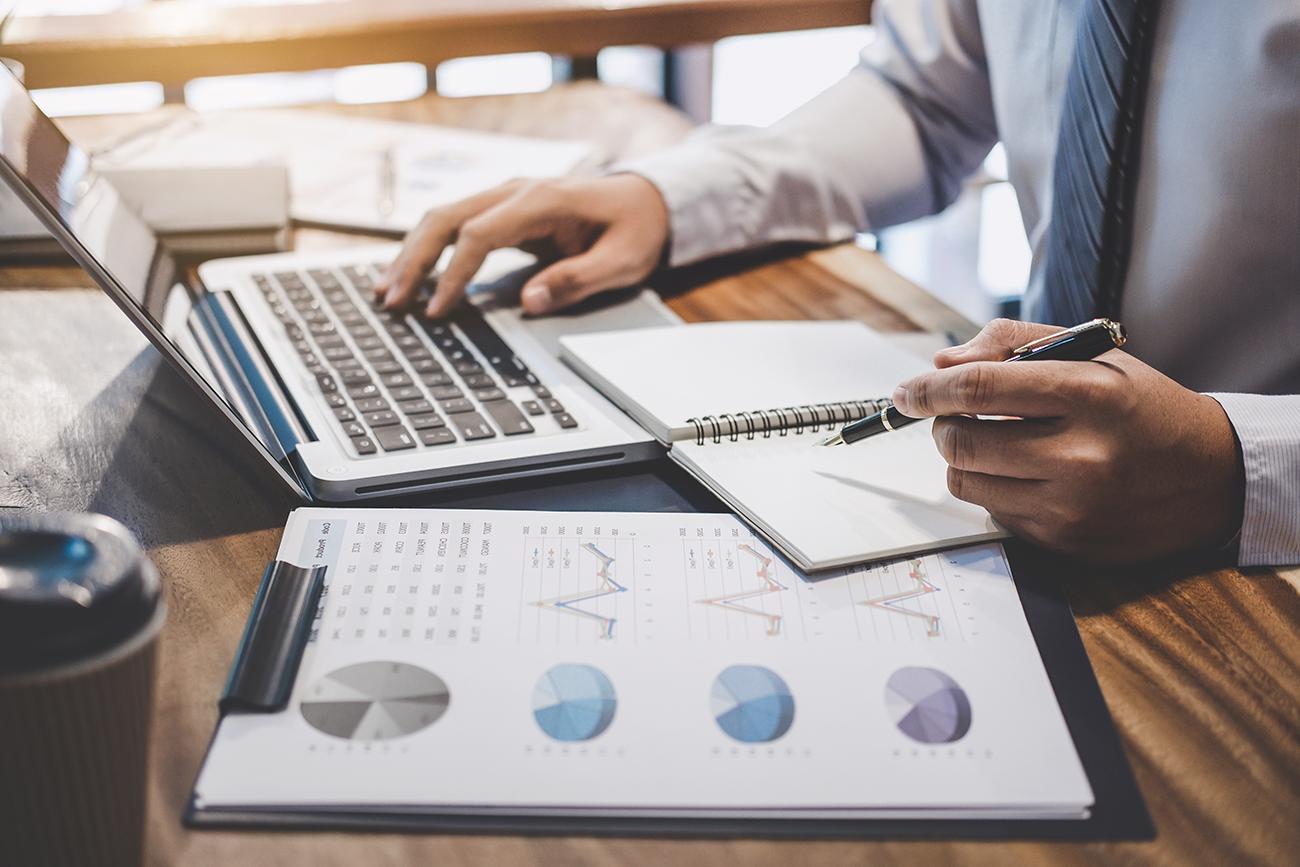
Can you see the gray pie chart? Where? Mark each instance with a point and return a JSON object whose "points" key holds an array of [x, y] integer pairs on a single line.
{"points": [[375, 701], [927, 705]]}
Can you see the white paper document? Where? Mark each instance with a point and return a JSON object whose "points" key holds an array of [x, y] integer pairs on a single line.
{"points": [[530, 663], [354, 172]]}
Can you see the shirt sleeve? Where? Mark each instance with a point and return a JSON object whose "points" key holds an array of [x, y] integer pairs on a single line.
{"points": [[1268, 427], [889, 143]]}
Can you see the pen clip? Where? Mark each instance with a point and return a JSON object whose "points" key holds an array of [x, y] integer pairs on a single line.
{"points": [[1117, 335]]}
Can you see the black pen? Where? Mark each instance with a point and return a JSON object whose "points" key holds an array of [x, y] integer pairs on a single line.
{"points": [[1081, 343]]}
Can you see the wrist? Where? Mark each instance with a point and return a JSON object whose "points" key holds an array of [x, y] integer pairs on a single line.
{"points": [[1225, 475]]}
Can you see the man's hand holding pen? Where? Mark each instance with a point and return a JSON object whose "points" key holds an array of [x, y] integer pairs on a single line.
{"points": [[1108, 459]]}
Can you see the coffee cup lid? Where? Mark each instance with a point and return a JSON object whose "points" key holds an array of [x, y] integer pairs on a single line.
{"points": [[71, 586]]}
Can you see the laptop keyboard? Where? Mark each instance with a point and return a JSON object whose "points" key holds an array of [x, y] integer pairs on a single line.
{"points": [[396, 382]]}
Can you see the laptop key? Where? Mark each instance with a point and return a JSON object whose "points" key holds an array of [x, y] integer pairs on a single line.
{"points": [[437, 437], [489, 395], [364, 445], [425, 365], [336, 401], [354, 429], [542, 391], [372, 404], [361, 329], [394, 439], [465, 368], [336, 353], [349, 363], [457, 405], [386, 367], [553, 406], [426, 421], [360, 392], [433, 380], [513, 379], [415, 407], [532, 407], [358, 376], [480, 380], [508, 417], [446, 392], [405, 392], [379, 353], [372, 342], [472, 426], [566, 420], [327, 383], [344, 413], [392, 380], [384, 418]]}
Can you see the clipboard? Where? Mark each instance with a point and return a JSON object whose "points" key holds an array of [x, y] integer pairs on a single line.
{"points": [[266, 665]]}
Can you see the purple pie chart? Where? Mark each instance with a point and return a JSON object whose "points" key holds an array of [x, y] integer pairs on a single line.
{"points": [[927, 705]]}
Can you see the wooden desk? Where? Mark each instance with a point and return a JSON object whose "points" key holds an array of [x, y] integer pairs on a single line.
{"points": [[173, 42], [1201, 671]]}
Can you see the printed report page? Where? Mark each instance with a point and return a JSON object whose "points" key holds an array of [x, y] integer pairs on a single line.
{"points": [[659, 664]]}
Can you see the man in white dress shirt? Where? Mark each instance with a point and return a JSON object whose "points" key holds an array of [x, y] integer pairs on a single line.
{"points": [[1188, 441]]}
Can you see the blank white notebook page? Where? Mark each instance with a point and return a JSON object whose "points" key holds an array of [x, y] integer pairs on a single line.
{"points": [[830, 505], [682, 372]]}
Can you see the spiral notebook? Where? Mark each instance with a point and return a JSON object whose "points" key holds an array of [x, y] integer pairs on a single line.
{"points": [[741, 406]]}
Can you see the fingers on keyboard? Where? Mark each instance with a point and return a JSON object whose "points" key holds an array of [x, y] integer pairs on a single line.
{"points": [[346, 342]]}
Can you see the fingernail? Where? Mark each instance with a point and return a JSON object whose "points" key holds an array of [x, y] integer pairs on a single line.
{"points": [[537, 298], [899, 397]]}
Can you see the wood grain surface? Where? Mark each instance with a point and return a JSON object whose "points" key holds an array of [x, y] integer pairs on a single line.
{"points": [[1200, 667], [173, 42]]}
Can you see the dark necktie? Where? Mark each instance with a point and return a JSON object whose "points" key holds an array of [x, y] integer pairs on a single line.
{"points": [[1096, 167]]}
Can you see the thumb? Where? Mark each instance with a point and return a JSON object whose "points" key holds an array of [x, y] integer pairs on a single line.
{"points": [[568, 281], [995, 342]]}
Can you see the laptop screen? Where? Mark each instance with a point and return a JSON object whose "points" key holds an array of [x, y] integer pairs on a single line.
{"points": [[53, 179]]}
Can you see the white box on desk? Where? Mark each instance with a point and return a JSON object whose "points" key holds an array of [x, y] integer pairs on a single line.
{"points": [[186, 198]]}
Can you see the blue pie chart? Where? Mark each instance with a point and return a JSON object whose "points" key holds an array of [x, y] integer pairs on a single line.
{"points": [[574, 702], [752, 704]]}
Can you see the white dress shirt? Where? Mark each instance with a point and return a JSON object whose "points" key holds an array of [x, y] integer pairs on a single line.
{"points": [[1212, 296]]}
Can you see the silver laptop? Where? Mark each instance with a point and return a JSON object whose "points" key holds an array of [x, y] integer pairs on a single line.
{"points": [[344, 400]]}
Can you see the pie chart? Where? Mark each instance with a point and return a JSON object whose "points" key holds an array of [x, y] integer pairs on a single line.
{"points": [[574, 702], [927, 705], [752, 704], [375, 701]]}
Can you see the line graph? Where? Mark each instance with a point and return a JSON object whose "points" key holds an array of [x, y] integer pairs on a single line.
{"points": [[571, 603], [739, 601], [894, 603]]}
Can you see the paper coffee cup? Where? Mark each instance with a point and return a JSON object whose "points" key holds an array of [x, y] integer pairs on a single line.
{"points": [[80, 612]]}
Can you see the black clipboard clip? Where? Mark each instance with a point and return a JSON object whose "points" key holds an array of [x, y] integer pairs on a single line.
{"points": [[266, 664]]}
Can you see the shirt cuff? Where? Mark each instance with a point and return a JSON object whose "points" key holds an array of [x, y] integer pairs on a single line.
{"points": [[1268, 427]]}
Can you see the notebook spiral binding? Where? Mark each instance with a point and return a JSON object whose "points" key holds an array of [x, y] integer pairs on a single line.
{"points": [[810, 416]]}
